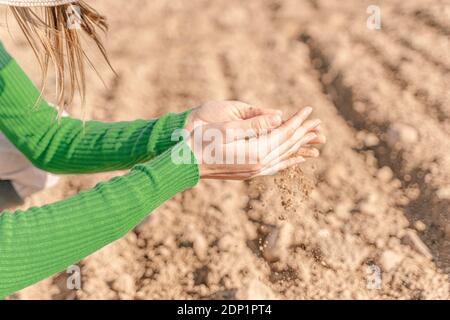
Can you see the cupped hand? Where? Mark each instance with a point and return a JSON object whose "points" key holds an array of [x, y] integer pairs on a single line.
{"points": [[254, 118], [232, 140]]}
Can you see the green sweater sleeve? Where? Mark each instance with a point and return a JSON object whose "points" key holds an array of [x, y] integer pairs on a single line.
{"points": [[69, 145], [39, 242]]}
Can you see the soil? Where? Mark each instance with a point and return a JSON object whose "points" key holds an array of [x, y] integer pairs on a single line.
{"points": [[378, 198]]}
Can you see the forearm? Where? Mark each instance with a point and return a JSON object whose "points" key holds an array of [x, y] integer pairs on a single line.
{"points": [[74, 147], [42, 241], [69, 145]]}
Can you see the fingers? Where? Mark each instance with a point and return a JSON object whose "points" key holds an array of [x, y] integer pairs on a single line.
{"points": [[320, 139], [300, 156], [265, 171], [293, 130], [298, 150], [306, 128], [302, 135], [247, 111], [308, 152], [290, 126], [258, 143], [252, 127], [262, 125], [282, 154]]}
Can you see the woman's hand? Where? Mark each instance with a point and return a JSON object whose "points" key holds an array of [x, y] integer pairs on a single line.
{"points": [[254, 118], [232, 140]]}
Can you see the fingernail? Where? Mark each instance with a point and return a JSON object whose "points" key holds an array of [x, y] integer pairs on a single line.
{"points": [[312, 135], [275, 121], [308, 110], [323, 137]]}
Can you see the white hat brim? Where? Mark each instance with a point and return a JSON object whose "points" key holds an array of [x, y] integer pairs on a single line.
{"points": [[35, 3]]}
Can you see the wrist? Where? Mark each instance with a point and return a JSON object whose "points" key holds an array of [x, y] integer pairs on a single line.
{"points": [[189, 124], [194, 140]]}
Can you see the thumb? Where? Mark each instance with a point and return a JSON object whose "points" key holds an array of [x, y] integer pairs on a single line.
{"points": [[253, 127]]}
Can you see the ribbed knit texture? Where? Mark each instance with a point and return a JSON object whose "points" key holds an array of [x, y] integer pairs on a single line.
{"points": [[68, 145], [39, 242]]}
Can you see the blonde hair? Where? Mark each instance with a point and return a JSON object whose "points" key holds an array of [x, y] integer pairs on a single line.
{"points": [[54, 40]]}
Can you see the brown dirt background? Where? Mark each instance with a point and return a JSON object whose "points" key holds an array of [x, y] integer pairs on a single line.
{"points": [[380, 193]]}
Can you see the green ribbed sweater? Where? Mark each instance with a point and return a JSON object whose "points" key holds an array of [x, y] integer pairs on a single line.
{"points": [[41, 241]]}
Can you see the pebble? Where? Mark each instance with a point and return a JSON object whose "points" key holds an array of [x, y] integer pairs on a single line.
{"points": [[371, 140], [256, 290], [200, 247], [390, 260], [371, 205], [323, 233], [443, 193], [124, 283], [420, 226], [226, 243], [385, 174], [342, 210], [402, 133]]}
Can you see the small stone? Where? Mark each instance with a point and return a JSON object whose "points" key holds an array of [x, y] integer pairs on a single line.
{"points": [[124, 283], [412, 193], [390, 259], [420, 226], [256, 290], [371, 140], [226, 243], [385, 174], [371, 205], [323, 233], [200, 247], [342, 210], [443, 193], [380, 242], [402, 133]]}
